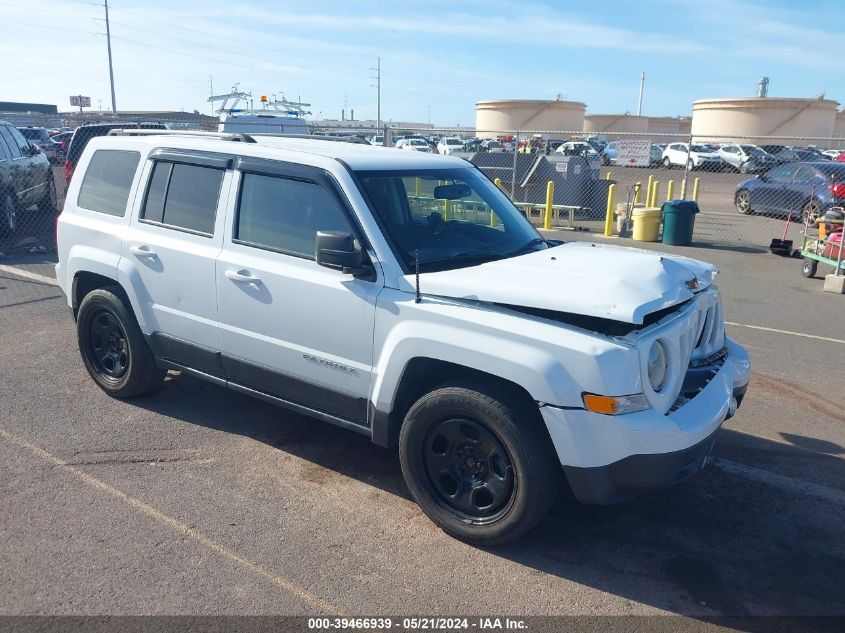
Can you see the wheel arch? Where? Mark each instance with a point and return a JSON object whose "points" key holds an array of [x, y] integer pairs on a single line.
{"points": [[423, 374], [84, 282]]}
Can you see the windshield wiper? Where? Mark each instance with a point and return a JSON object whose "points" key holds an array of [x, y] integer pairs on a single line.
{"points": [[535, 242], [464, 256]]}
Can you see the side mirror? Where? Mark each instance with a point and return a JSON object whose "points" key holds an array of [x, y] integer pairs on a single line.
{"points": [[337, 250]]}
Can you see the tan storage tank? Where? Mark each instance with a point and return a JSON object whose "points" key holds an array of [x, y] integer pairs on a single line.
{"points": [[677, 126], [615, 123], [501, 116], [839, 126], [774, 118]]}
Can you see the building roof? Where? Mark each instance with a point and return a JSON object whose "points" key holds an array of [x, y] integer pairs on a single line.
{"points": [[13, 106]]}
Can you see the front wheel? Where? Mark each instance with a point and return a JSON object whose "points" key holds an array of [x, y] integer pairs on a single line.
{"points": [[808, 269], [112, 347], [667, 163], [743, 202], [481, 466]]}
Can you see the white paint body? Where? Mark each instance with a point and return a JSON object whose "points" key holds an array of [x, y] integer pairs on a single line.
{"points": [[374, 329]]}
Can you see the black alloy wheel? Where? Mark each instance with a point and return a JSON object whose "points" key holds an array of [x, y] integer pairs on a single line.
{"points": [[469, 470]]}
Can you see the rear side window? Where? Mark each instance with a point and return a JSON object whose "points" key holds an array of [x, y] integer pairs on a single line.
{"points": [[105, 187], [285, 214], [183, 196], [14, 150]]}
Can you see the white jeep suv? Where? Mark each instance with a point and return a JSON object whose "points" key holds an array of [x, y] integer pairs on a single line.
{"points": [[402, 296], [695, 157]]}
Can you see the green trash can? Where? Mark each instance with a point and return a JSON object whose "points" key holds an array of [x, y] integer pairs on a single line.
{"points": [[679, 221]]}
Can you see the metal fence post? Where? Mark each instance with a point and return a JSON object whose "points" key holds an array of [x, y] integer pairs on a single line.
{"points": [[513, 177], [686, 170], [550, 199], [611, 205]]}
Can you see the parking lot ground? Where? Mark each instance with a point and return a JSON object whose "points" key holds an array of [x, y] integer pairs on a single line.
{"points": [[201, 501]]}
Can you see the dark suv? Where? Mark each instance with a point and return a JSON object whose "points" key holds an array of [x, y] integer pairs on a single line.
{"points": [[85, 133], [25, 178]]}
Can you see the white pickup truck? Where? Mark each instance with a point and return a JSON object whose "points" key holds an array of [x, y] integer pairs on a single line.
{"points": [[400, 295]]}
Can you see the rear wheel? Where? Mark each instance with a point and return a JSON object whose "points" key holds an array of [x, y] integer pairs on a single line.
{"points": [[810, 211], [743, 202], [481, 466], [50, 201], [8, 214], [808, 269], [113, 349]]}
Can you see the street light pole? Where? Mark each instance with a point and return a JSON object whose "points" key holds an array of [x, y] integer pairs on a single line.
{"points": [[111, 72], [640, 104]]}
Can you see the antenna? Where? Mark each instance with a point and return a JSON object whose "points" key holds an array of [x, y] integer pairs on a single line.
{"points": [[418, 298]]}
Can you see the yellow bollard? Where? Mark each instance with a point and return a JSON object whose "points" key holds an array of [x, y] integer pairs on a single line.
{"points": [[550, 197], [670, 190], [608, 176], [611, 205], [648, 190], [683, 189], [655, 193], [695, 185], [418, 188], [498, 182], [638, 187]]}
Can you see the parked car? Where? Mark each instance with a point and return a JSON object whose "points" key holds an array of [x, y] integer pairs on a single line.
{"points": [[63, 139], [378, 139], [833, 154], [747, 159], [26, 179], [414, 145], [791, 155], [492, 146], [473, 145], [804, 189], [696, 157], [772, 149], [450, 144], [576, 148], [85, 133], [39, 137], [442, 340]]}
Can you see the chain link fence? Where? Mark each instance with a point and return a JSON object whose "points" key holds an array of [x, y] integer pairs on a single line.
{"points": [[601, 183]]}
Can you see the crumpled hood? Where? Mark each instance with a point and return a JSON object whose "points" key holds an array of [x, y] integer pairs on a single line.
{"points": [[610, 282]]}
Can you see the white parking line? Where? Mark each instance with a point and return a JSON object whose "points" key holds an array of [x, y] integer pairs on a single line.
{"points": [[783, 482], [776, 331], [25, 273]]}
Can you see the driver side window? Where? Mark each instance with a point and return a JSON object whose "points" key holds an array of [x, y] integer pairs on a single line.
{"points": [[284, 214]]}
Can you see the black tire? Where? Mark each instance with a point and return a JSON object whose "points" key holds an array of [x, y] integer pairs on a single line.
{"points": [[742, 202], [49, 203], [691, 165], [667, 163], [112, 347], [809, 267], [810, 211], [8, 214], [498, 472], [743, 168]]}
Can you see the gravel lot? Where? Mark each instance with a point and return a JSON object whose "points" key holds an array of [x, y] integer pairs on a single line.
{"points": [[201, 501]]}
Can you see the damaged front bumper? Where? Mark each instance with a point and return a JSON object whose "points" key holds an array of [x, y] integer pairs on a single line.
{"points": [[611, 458]]}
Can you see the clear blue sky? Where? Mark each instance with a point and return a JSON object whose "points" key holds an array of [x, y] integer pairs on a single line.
{"points": [[438, 56]]}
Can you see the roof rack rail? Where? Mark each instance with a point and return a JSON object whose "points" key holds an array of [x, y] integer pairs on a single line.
{"points": [[223, 136], [315, 137]]}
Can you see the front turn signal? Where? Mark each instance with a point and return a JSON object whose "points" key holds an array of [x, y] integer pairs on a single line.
{"points": [[615, 405]]}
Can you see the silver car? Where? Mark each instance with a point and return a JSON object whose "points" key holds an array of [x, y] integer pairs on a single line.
{"points": [[747, 159]]}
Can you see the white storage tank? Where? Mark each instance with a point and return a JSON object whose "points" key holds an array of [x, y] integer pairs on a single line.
{"points": [[775, 118], [501, 116], [615, 124]]}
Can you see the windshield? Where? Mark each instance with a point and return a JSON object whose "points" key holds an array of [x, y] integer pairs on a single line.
{"points": [[701, 148], [752, 150], [453, 217], [453, 141]]}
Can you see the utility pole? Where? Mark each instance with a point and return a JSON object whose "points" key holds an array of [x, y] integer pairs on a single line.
{"points": [[211, 92], [111, 71], [378, 92], [640, 105]]}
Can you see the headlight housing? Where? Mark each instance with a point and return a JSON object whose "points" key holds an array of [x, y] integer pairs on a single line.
{"points": [[657, 366]]}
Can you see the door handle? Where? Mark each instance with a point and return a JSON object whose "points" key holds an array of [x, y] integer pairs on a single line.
{"points": [[142, 251], [241, 276]]}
